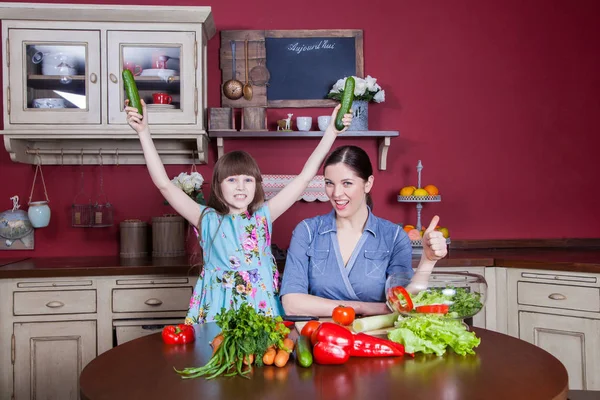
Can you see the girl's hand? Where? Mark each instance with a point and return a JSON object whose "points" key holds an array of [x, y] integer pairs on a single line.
{"points": [[135, 119], [434, 242], [346, 121]]}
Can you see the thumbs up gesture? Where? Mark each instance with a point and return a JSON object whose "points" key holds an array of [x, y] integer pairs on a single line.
{"points": [[434, 243]]}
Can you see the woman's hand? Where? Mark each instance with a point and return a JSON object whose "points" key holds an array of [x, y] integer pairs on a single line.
{"points": [[135, 119], [346, 121], [434, 242]]}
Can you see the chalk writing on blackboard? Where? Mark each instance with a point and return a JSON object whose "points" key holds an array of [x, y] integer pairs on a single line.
{"points": [[307, 68]]}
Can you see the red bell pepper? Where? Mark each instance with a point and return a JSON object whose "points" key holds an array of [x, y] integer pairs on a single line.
{"points": [[330, 354], [333, 333], [400, 298], [371, 346], [332, 344], [433, 309], [178, 334]]}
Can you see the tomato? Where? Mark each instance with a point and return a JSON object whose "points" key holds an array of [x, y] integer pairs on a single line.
{"points": [[433, 309], [309, 328], [343, 315]]}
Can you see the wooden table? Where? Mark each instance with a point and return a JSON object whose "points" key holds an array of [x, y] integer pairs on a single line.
{"points": [[503, 368]]}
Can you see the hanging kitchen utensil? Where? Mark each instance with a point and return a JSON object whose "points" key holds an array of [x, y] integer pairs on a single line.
{"points": [[103, 211], [232, 89], [247, 86], [260, 75], [39, 211], [81, 214]]}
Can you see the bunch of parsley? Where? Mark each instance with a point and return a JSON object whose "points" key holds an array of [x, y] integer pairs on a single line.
{"points": [[245, 332]]}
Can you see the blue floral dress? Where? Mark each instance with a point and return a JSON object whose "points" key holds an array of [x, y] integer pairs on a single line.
{"points": [[238, 265]]}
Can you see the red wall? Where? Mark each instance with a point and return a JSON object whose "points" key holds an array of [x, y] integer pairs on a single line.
{"points": [[500, 101]]}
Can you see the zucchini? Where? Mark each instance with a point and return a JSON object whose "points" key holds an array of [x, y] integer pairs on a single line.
{"points": [[375, 322], [347, 100], [131, 90], [304, 352]]}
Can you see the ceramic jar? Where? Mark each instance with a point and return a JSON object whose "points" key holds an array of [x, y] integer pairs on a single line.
{"points": [[39, 214]]}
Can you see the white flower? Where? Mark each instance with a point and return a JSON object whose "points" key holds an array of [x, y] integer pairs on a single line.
{"points": [[339, 85], [379, 96], [372, 85], [188, 183], [197, 180], [360, 86]]}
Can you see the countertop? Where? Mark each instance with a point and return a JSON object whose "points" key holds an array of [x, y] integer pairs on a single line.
{"points": [[567, 259]]}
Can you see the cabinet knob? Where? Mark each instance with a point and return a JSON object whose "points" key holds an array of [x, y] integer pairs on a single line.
{"points": [[113, 78], [93, 78], [153, 302], [55, 304], [557, 296]]}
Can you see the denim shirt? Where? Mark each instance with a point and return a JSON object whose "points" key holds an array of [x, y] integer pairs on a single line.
{"points": [[314, 263]]}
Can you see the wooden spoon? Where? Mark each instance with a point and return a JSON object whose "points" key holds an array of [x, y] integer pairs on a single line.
{"points": [[247, 86]]}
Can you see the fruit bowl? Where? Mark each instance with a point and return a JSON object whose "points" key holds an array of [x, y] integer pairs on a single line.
{"points": [[457, 295]]}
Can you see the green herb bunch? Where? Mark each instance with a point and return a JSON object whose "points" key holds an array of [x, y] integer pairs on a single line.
{"points": [[245, 332]]}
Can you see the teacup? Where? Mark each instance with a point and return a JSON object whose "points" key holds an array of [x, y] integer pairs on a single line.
{"points": [[323, 122], [135, 69], [159, 61], [304, 123], [161, 98]]}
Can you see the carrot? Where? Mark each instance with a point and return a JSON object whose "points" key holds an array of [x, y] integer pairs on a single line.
{"points": [[249, 359], [269, 356], [288, 344], [281, 358], [216, 342]]}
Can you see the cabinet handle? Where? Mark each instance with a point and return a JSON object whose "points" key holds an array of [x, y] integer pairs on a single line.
{"points": [[113, 78], [8, 99], [557, 296], [196, 101], [13, 348], [153, 302], [55, 304], [93, 78]]}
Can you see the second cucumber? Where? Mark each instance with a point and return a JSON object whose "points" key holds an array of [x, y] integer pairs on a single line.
{"points": [[346, 102]]}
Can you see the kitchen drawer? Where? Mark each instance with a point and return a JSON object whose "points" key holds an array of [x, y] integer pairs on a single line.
{"points": [[54, 302], [566, 297], [151, 299], [127, 330]]}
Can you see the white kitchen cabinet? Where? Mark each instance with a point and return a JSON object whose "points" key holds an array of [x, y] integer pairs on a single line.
{"points": [[49, 357], [560, 312], [64, 97], [53, 327], [574, 341]]}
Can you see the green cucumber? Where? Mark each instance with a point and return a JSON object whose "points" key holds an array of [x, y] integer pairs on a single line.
{"points": [[304, 352], [131, 90], [347, 100]]}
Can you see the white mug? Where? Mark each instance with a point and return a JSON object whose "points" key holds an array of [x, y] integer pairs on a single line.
{"points": [[323, 122], [304, 123]]}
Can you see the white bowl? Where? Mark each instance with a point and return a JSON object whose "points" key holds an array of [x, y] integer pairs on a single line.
{"points": [[49, 103]]}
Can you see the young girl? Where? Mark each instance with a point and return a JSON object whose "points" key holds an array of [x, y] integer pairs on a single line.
{"points": [[235, 227]]}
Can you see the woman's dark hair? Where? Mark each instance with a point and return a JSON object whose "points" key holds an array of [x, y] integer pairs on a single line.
{"points": [[354, 158], [231, 164]]}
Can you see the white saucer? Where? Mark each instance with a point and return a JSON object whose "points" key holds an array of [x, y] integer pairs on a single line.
{"points": [[152, 105], [159, 72]]}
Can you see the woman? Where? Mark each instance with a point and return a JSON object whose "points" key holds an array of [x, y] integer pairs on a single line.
{"points": [[347, 254]]}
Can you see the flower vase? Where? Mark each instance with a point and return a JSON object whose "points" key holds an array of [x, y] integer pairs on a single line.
{"points": [[360, 116]]}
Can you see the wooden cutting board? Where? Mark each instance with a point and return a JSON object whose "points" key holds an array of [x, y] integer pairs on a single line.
{"points": [[377, 332]]}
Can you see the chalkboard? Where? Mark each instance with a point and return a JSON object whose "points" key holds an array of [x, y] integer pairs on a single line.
{"points": [[304, 65]]}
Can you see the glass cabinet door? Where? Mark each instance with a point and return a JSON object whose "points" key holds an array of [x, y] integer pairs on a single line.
{"points": [[164, 69], [54, 77]]}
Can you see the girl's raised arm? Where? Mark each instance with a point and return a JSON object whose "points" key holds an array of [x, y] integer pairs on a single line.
{"points": [[181, 202], [290, 193]]}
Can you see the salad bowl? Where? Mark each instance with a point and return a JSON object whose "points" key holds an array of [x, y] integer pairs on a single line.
{"points": [[456, 295]]}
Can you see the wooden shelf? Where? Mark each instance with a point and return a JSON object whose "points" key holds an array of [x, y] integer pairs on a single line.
{"points": [[384, 138]]}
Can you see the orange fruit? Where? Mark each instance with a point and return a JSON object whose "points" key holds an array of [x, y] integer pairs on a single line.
{"points": [[408, 228], [407, 191], [432, 190], [420, 193]]}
